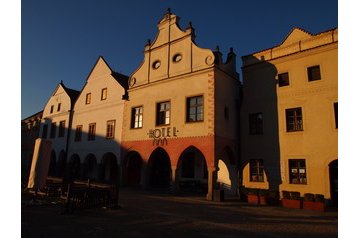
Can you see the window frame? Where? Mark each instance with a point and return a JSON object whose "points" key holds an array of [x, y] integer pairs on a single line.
{"points": [[255, 126], [104, 94], [296, 123], [91, 131], [88, 98], [335, 109], [110, 129], [58, 107], [51, 109], [53, 130], [78, 133], [312, 74], [195, 106], [136, 118], [256, 168], [299, 175], [61, 128], [282, 81], [44, 131], [162, 114]]}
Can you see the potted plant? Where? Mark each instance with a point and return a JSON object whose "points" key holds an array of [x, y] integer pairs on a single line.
{"points": [[314, 202], [252, 195], [291, 199], [263, 196]]}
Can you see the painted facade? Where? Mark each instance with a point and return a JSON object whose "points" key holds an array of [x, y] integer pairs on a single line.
{"points": [[289, 130], [182, 111]]}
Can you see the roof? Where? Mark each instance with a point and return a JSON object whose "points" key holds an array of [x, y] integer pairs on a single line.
{"points": [[35, 115], [72, 93]]}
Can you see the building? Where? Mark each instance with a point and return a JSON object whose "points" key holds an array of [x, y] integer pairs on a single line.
{"points": [[30, 129], [95, 141], [56, 126], [289, 115], [180, 123]]}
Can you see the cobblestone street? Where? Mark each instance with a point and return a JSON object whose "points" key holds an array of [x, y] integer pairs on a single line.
{"points": [[153, 214]]}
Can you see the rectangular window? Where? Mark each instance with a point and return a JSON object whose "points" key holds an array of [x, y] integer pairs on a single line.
{"points": [[256, 123], [335, 105], [104, 94], [51, 110], [78, 133], [137, 117], [294, 121], [297, 171], [163, 113], [61, 129], [44, 131], [58, 107], [88, 98], [92, 131], [256, 170], [314, 73], [53, 130], [110, 129], [283, 80], [194, 109]]}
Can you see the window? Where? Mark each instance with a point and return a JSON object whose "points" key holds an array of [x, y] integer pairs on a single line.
{"points": [[137, 117], [294, 120], [297, 171], [226, 113], [194, 109], [53, 130], [58, 107], [335, 105], [78, 133], [314, 73], [88, 98], [256, 170], [44, 131], [283, 80], [61, 129], [255, 123], [110, 129], [104, 94], [163, 113], [92, 131], [51, 110]]}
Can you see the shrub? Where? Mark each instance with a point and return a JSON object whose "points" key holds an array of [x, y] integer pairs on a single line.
{"points": [[319, 198], [295, 195], [309, 197], [286, 194]]}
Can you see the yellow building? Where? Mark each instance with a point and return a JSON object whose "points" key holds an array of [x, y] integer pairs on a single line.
{"points": [[180, 123], [289, 116]]}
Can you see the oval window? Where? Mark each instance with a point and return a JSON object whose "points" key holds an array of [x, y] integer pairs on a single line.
{"points": [[156, 64], [177, 57]]}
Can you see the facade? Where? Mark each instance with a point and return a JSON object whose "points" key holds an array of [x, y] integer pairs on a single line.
{"points": [[30, 129], [180, 123], [55, 126], [289, 122], [95, 141]]}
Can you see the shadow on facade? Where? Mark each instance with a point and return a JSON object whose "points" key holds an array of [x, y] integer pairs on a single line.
{"points": [[259, 123]]}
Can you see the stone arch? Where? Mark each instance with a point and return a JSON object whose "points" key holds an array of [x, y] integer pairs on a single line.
{"points": [[109, 168], [227, 175], [159, 169], [74, 167], [192, 171], [133, 168], [61, 164], [90, 167], [52, 166]]}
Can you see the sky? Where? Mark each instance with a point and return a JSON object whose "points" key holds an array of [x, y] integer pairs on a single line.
{"points": [[61, 40]]}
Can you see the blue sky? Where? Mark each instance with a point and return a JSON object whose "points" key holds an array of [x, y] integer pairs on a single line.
{"points": [[61, 40]]}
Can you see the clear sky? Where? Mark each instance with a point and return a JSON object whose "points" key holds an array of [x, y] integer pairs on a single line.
{"points": [[61, 40]]}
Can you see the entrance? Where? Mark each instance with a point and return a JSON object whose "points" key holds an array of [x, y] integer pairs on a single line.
{"points": [[134, 168], [159, 169]]}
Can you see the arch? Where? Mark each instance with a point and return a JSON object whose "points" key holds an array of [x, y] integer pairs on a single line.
{"points": [[74, 167], [333, 181], [134, 164], [109, 168], [52, 167], [61, 164], [90, 167], [227, 175], [159, 168], [192, 171]]}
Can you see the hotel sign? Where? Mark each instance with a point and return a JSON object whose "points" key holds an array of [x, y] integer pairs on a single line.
{"points": [[160, 136]]}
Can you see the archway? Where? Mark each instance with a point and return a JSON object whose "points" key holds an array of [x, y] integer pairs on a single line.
{"points": [[159, 169], [61, 164], [74, 167], [89, 167], [227, 175], [134, 168], [192, 171], [52, 167], [109, 173], [333, 180]]}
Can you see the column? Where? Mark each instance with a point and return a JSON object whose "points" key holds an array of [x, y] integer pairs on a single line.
{"points": [[174, 182], [212, 177]]}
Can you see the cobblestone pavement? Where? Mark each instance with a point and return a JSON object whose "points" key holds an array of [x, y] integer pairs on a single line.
{"points": [[154, 214]]}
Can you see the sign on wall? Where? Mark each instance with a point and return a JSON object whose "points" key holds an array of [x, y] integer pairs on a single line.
{"points": [[160, 136]]}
